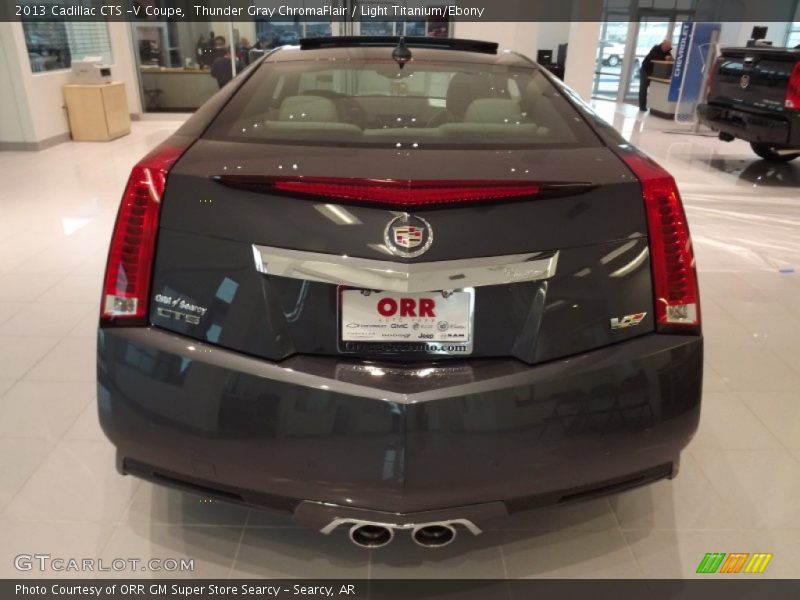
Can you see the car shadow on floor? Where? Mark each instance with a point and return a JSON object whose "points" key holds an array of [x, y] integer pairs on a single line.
{"points": [[758, 172], [582, 539]]}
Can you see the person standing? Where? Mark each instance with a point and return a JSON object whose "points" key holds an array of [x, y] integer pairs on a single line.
{"points": [[662, 51], [221, 69]]}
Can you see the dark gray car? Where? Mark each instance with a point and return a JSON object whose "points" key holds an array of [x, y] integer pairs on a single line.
{"points": [[399, 286]]}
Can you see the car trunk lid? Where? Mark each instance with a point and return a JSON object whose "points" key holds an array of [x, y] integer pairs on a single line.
{"points": [[753, 77], [589, 228]]}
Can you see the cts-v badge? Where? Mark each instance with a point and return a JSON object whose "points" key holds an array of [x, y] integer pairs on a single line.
{"points": [[627, 320], [408, 236]]}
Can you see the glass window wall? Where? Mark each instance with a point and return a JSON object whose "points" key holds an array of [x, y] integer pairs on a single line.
{"points": [[793, 37], [182, 64], [54, 45]]}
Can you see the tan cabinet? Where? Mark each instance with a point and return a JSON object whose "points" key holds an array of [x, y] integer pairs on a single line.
{"points": [[97, 112]]}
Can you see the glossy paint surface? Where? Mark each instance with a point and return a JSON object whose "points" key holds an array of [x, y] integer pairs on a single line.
{"points": [[276, 317], [748, 93], [599, 403], [330, 432], [739, 478]]}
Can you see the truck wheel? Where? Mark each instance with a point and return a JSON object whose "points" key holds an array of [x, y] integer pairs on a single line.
{"points": [[767, 152]]}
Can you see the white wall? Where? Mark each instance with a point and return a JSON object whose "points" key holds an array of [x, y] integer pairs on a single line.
{"points": [[729, 34], [776, 32], [529, 37], [15, 120], [39, 96], [553, 34], [43, 94], [521, 37], [737, 34], [581, 56], [247, 29], [124, 67]]}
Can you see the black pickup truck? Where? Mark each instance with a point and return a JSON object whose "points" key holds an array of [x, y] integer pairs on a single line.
{"points": [[754, 95]]}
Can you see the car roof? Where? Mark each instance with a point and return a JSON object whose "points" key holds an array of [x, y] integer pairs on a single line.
{"points": [[384, 51]]}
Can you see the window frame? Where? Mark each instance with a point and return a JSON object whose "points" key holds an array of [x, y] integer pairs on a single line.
{"points": [[220, 129], [67, 41]]}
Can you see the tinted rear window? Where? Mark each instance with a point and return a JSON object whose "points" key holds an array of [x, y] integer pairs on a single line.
{"points": [[425, 104]]}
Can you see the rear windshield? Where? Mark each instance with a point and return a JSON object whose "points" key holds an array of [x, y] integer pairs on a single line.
{"points": [[425, 104]]}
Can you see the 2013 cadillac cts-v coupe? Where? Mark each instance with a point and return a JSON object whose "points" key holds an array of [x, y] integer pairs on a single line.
{"points": [[399, 285]]}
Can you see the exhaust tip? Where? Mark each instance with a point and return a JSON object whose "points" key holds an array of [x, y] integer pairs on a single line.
{"points": [[434, 536], [371, 536]]}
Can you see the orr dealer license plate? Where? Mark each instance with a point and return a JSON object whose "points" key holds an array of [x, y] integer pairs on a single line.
{"points": [[419, 322]]}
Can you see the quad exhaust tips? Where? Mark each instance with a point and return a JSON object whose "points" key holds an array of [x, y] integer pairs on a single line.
{"points": [[370, 534]]}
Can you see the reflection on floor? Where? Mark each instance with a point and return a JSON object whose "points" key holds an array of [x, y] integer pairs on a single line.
{"points": [[739, 484]]}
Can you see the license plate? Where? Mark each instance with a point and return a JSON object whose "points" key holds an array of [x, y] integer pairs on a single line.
{"points": [[427, 322]]}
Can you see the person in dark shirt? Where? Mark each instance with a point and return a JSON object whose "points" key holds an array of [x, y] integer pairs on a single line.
{"points": [[221, 68], [662, 51]]}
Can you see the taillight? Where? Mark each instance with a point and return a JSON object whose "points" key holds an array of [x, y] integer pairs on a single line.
{"points": [[793, 89], [677, 300], [402, 192], [710, 75], [130, 256]]}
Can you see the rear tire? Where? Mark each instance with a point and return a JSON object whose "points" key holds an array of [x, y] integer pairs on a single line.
{"points": [[767, 152]]}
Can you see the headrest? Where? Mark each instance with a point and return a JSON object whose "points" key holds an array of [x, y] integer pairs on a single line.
{"points": [[308, 109], [498, 111], [533, 93], [466, 87]]}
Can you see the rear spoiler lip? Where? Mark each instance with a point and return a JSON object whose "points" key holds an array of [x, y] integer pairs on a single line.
{"points": [[266, 184], [351, 41], [761, 51]]}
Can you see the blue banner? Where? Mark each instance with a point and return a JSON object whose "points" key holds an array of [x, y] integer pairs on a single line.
{"points": [[690, 60], [681, 55]]}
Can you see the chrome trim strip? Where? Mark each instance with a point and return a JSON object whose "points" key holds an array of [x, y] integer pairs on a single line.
{"points": [[404, 277]]}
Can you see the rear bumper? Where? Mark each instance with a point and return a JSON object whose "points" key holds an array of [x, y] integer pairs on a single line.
{"points": [[474, 440], [751, 126]]}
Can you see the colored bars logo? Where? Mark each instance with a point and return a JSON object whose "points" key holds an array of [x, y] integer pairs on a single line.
{"points": [[736, 562]]}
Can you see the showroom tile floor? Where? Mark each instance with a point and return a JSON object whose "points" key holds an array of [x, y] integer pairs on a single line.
{"points": [[739, 484]]}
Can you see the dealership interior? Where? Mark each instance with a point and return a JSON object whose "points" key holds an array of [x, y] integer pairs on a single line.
{"points": [[739, 480]]}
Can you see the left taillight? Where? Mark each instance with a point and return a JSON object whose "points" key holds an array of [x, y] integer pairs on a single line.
{"points": [[129, 268]]}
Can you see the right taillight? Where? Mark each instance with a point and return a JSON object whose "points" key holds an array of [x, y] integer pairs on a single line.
{"points": [[677, 301], [792, 99], [131, 253]]}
